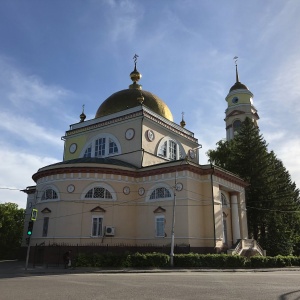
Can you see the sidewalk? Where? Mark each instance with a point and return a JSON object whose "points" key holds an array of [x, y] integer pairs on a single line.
{"points": [[17, 268]]}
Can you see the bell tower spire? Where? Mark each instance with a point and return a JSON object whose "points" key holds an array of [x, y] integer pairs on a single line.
{"points": [[239, 106]]}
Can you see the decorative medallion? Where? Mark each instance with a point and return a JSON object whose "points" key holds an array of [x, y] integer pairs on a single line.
{"points": [[73, 148], [141, 191], [129, 134], [126, 190], [150, 135], [71, 188], [179, 186]]}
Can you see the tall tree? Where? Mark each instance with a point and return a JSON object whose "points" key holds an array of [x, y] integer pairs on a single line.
{"points": [[11, 229], [271, 197]]}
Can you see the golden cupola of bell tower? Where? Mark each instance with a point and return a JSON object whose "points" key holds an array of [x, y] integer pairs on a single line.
{"points": [[239, 106]]}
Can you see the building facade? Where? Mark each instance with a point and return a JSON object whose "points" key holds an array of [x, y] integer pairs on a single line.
{"points": [[130, 176]]}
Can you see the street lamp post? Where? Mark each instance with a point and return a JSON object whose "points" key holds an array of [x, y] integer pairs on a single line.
{"points": [[173, 226], [173, 216]]}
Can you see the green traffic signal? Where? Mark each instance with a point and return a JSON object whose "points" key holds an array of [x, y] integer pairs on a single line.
{"points": [[30, 228]]}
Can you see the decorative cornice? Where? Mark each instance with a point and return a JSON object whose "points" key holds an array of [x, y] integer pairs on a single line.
{"points": [[170, 127], [146, 171], [235, 113], [105, 123], [144, 111]]}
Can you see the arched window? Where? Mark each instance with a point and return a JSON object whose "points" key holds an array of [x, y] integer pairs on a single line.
{"points": [[98, 193], [49, 194], [170, 149], [236, 126], [101, 146], [160, 193]]}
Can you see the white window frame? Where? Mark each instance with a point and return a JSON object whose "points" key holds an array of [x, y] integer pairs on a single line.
{"points": [[91, 146], [101, 233], [100, 185], [155, 187], [43, 191], [160, 220], [165, 149]]}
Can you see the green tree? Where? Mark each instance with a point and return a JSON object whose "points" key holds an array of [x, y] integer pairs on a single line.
{"points": [[272, 199], [11, 229]]}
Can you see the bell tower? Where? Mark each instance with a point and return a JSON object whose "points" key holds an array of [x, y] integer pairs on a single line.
{"points": [[239, 106]]}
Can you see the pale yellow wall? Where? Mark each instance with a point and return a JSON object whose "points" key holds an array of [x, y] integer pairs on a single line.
{"points": [[132, 216], [243, 99], [160, 132], [117, 130]]}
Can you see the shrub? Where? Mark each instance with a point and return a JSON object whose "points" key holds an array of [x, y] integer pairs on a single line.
{"points": [[191, 260], [139, 260]]}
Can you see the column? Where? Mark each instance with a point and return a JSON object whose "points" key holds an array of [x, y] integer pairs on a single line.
{"points": [[236, 232]]}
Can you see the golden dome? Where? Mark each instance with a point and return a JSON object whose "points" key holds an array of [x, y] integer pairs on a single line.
{"points": [[132, 97]]}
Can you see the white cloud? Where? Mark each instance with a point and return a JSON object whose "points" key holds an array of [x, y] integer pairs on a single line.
{"points": [[17, 169], [26, 92], [123, 19], [27, 130]]}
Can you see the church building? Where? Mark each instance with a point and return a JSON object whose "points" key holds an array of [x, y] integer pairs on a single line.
{"points": [[131, 176]]}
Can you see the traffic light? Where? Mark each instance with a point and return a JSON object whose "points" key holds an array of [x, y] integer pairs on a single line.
{"points": [[27, 241], [30, 228], [34, 214]]}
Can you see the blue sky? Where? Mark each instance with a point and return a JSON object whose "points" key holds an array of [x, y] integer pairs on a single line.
{"points": [[57, 55]]}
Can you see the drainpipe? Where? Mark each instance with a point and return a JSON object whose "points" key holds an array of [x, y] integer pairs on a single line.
{"points": [[213, 204]]}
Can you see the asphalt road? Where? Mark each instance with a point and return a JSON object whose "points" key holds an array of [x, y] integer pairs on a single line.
{"points": [[283, 285]]}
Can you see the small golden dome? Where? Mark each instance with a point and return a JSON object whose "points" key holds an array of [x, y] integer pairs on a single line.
{"points": [[82, 115], [135, 75]]}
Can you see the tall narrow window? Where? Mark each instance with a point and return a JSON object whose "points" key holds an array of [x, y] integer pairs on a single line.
{"points": [[223, 200], [88, 152], [113, 148], [100, 147], [97, 228], [236, 126], [45, 226], [160, 226], [172, 150], [225, 238]]}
